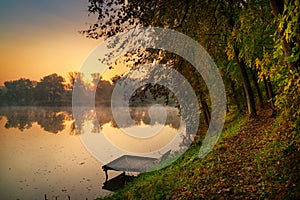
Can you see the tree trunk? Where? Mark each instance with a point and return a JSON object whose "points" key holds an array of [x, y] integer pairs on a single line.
{"points": [[234, 93], [246, 84], [269, 92], [205, 109], [257, 88], [206, 112]]}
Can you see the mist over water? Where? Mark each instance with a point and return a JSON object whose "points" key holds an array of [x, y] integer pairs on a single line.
{"points": [[41, 152]]}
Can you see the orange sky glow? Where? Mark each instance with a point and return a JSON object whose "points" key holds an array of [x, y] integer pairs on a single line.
{"points": [[39, 38]]}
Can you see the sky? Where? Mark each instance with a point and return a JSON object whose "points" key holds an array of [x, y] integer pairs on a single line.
{"points": [[40, 37]]}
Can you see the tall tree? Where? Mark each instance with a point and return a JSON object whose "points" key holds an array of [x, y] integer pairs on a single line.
{"points": [[198, 19], [287, 16], [20, 91], [286, 54], [50, 89]]}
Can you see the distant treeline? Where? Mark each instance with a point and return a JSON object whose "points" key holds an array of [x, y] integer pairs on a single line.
{"points": [[53, 90], [49, 90]]}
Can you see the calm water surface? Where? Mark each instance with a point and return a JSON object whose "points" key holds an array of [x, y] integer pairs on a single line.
{"points": [[42, 153]]}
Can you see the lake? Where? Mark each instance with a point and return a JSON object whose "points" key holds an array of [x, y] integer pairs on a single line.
{"points": [[44, 152]]}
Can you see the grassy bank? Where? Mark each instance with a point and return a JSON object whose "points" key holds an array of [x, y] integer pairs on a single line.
{"points": [[254, 158]]}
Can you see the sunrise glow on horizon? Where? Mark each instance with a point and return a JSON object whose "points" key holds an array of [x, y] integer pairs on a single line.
{"points": [[39, 38]]}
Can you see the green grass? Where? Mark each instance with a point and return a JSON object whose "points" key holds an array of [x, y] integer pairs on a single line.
{"points": [[251, 159], [160, 184]]}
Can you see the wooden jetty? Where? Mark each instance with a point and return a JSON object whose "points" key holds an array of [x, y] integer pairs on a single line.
{"points": [[129, 163]]}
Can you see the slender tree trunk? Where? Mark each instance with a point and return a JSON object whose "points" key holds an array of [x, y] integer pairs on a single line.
{"points": [[257, 88], [206, 112], [266, 88], [205, 109], [246, 84], [269, 92], [234, 93]]}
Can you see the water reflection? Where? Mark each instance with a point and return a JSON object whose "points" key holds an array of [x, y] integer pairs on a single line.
{"points": [[57, 164], [35, 162], [53, 119], [117, 182], [49, 119]]}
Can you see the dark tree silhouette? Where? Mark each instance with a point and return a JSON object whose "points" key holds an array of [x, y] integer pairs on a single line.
{"points": [[19, 91], [50, 89]]}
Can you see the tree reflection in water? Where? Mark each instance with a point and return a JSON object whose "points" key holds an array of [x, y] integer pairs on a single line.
{"points": [[21, 120], [49, 119], [140, 116], [53, 119]]}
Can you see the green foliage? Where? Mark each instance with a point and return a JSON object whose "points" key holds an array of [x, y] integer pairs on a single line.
{"points": [[284, 66], [263, 35]]}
